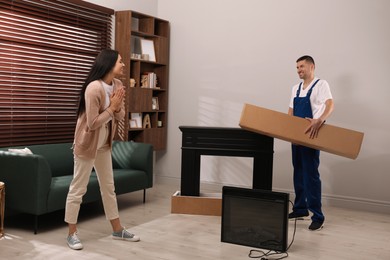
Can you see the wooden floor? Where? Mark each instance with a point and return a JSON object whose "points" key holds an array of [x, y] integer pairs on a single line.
{"points": [[347, 234]]}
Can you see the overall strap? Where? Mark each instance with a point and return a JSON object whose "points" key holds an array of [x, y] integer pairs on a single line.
{"points": [[315, 83], [309, 93], [299, 89]]}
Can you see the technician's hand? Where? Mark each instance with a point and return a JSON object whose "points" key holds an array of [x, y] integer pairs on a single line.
{"points": [[116, 99], [314, 127]]}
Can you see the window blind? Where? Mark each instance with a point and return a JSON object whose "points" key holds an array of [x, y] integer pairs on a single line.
{"points": [[46, 51]]}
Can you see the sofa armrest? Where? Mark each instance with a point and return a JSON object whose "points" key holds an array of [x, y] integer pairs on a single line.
{"points": [[132, 155], [27, 181]]}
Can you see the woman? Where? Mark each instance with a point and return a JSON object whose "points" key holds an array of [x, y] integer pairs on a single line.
{"points": [[99, 111]]}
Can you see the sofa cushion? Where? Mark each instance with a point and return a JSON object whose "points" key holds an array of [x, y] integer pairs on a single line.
{"points": [[59, 191], [128, 180]]}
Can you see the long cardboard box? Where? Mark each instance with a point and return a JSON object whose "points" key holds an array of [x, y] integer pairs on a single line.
{"points": [[332, 139]]}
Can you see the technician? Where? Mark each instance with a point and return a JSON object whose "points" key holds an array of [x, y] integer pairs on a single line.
{"points": [[310, 99]]}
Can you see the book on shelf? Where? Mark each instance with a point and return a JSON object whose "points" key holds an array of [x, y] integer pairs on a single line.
{"points": [[135, 46], [149, 80]]}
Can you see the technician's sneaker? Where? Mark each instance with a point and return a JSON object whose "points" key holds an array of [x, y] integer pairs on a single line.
{"points": [[298, 216], [125, 235], [316, 226], [74, 242]]}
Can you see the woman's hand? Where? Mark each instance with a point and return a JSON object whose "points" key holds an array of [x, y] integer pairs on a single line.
{"points": [[116, 99]]}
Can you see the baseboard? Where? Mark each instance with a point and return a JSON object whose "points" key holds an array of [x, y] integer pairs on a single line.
{"points": [[358, 204], [347, 202], [339, 201], [158, 179]]}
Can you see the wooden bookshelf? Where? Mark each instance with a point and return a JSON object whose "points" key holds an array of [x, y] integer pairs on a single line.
{"points": [[135, 33]]}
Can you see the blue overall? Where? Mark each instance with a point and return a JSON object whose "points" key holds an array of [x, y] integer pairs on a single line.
{"points": [[307, 183]]}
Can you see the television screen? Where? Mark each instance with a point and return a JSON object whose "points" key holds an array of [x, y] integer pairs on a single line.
{"points": [[255, 218]]}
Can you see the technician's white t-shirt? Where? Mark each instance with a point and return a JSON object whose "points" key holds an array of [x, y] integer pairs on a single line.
{"points": [[320, 94]]}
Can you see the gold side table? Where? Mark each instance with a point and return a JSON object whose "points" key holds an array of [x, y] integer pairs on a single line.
{"points": [[2, 207]]}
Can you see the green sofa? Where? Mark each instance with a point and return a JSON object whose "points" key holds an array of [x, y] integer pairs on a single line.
{"points": [[38, 183]]}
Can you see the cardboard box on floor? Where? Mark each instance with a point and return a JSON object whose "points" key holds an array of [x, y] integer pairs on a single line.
{"points": [[205, 204], [332, 139]]}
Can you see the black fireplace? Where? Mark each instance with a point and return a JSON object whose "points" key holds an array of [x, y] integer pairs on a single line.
{"points": [[224, 141]]}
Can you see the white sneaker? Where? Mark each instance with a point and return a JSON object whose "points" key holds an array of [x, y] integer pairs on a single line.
{"points": [[125, 235], [74, 242]]}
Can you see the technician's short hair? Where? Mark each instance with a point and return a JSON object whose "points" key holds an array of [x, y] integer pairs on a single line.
{"points": [[307, 58]]}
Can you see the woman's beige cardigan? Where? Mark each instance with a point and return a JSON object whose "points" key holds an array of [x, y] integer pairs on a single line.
{"points": [[89, 123]]}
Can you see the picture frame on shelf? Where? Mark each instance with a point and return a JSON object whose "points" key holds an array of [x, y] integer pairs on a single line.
{"points": [[155, 105], [133, 123], [147, 47], [136, 120]]}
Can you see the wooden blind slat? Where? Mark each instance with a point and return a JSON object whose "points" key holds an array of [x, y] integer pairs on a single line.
{"points": [[46, 51]]}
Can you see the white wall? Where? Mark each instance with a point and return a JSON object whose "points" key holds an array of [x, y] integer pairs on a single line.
{"points": [[142, 6], [227, 53]]}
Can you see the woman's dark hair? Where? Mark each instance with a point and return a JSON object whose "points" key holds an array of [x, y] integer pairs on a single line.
{"points": [[103, 64]]}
